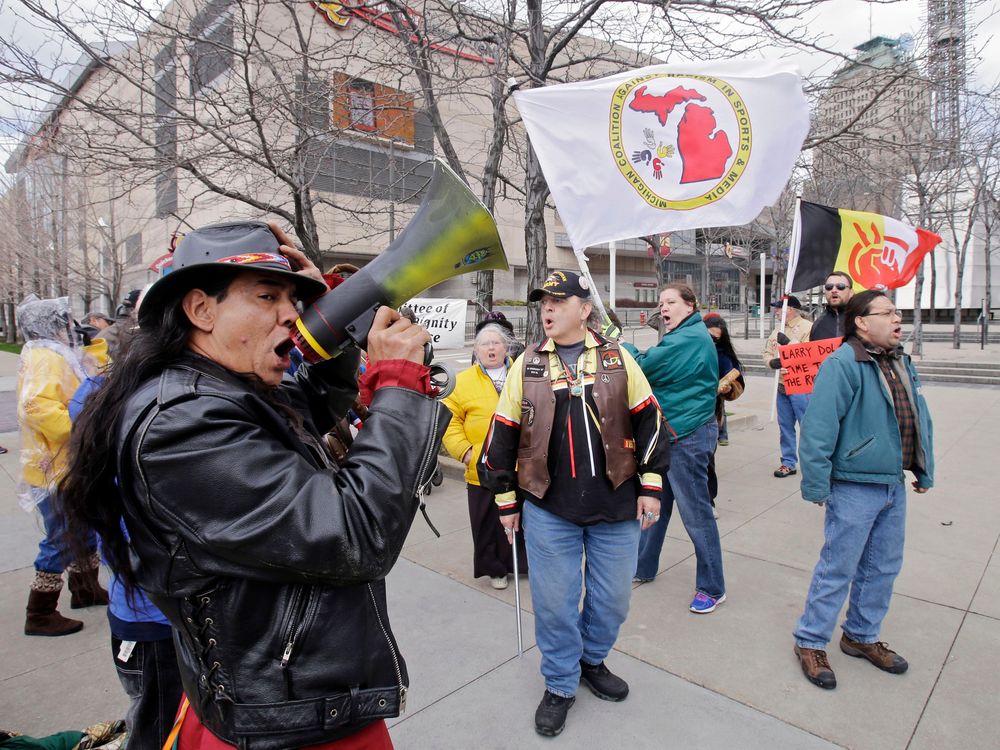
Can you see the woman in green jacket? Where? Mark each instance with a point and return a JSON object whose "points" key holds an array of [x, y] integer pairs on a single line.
{"points": [[683, 370]]}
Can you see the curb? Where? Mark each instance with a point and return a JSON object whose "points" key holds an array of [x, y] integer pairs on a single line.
{"points": [[741, 421], [451, 468]]}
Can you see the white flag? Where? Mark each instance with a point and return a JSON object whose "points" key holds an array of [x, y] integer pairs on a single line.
{"points": [[666, 147]]}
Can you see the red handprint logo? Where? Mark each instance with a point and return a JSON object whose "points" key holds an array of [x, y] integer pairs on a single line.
{"points": [[877, 261]]}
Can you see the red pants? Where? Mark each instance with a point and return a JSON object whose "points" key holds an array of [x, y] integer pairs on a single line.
{"points": [[194, 736]]}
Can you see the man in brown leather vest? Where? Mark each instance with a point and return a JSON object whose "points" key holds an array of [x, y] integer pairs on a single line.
{"points": [[577, 432]]}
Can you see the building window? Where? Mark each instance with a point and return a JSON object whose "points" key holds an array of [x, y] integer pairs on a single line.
{"points": [[211, 52], [361, 100], [166, 193], [165, 135], [133, 249], [369, 107]]}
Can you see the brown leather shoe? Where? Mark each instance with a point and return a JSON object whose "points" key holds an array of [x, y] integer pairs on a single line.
{"points": [[815, 667], [43, 618], [877, 653]]}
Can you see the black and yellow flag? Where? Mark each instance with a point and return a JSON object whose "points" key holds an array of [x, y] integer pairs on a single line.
{"points": [[879, 252]]}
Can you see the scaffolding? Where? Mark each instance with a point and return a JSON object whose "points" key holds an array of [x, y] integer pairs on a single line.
{"points": [[946, 66]]}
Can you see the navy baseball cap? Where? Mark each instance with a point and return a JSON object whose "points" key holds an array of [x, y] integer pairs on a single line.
{"points": [[562, 284]]}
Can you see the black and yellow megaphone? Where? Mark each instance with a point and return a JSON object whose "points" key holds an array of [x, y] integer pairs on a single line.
{"points": [[452, 233]]}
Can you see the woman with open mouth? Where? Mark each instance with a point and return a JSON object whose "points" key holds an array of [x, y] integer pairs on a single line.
{"points": [[683, 371]]}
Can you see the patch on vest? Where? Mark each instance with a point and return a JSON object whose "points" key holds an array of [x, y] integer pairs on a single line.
{"points": [[629, 444], [535, 371], [611, 360], [527, 412]]}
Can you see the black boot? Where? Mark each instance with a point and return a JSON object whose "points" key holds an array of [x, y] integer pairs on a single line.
{"points": [[550, 716], [602, 682], [43, 618]]}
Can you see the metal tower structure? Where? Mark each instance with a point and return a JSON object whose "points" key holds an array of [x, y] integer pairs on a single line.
{"points": [[946, 65]]}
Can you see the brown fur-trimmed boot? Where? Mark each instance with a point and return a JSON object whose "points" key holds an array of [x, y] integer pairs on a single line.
{"points": [[85, 589], [42, 616]]}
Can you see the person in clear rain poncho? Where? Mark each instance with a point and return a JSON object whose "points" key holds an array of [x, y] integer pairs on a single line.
{"points": [[53, 364]]}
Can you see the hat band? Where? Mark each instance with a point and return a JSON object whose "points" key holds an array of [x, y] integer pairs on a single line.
{"points": [[251, 258]]}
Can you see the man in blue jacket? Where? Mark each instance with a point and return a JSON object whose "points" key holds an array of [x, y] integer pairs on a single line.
{"points": [[866, 423]]}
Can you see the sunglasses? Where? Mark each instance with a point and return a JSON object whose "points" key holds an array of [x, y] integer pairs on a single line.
{"points": [[830, 287]]}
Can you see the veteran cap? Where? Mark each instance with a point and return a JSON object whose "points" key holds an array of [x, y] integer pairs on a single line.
{"points": [[562, 284]]}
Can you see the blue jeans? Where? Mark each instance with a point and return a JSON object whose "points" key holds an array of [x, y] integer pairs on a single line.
{"points": [[53, 557], [863, 549], [687, 486], [790, 411], [563, 632]]}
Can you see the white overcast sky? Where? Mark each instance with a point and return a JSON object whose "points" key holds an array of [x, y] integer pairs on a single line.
{"points": [[848, 23], [845, 24]]}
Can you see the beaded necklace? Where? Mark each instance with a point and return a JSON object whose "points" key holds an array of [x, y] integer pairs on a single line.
{"points": [[575, 382], [573, 374]]}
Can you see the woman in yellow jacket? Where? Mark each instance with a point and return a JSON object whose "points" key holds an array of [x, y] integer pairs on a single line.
{"points": [[52, 367], [472, 404]]}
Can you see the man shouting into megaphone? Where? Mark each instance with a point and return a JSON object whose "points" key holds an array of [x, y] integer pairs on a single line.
{"points": [[266, 558]]}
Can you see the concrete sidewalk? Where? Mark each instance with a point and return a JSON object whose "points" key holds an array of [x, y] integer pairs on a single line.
{"points": [[726, 680]]}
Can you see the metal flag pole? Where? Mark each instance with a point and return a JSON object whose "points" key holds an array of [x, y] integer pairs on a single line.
{"points": [[777, 373], [595, 295], [793, 262], [517, 592]]}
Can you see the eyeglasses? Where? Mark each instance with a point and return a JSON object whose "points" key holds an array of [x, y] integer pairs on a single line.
{"points": [[830, 287], [887, 313]]}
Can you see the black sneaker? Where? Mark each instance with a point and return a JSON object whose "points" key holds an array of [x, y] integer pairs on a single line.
{"points": [[550, 716], [602, 683]]}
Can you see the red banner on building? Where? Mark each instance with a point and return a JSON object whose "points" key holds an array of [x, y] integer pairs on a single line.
{"points": [[801, 363], [403, 20]]}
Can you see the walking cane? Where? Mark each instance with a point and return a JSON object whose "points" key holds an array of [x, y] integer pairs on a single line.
{"points": [[517, 592]]}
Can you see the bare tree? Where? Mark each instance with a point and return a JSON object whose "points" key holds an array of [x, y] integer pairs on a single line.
{"points": [[264, 107], [991, 225], [975, 177], [230, 102], [927, 180]]}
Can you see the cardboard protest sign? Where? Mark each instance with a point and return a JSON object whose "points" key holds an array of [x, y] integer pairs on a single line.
{"points": [[801, 363], [444, 319]]}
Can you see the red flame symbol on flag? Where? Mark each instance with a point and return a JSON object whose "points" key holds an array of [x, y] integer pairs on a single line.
{"points": [[877, 261]]}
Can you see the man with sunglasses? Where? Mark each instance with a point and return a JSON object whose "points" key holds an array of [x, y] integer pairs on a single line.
{"points": [[866, 424], [838, 290]]}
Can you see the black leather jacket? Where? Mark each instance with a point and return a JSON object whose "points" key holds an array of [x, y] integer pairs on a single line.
{"points": [[267, 559]]}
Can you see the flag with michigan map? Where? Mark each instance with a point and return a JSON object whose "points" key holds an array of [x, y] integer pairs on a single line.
{"points": [[666, 147]]}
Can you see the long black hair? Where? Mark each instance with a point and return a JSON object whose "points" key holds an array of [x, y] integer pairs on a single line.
{"points": [[723, 343], [857, 307], [88, 494]]}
